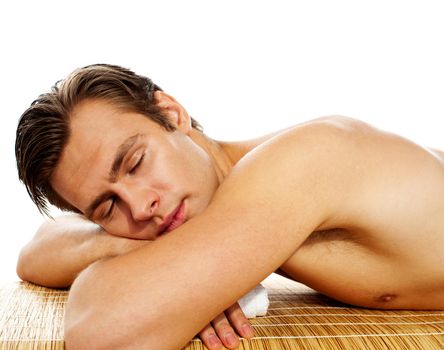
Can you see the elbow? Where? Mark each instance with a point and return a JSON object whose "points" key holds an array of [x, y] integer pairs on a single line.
{"points": [[85, 335], [96, 317], [24, 266], [27, 271], [79, 336], [83, 318], [35, 265], [26, 262], [20, 270]]}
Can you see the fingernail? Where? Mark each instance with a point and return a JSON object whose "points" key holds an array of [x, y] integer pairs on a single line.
{"points": [[213, 340], [230, 338], [247, 330]]}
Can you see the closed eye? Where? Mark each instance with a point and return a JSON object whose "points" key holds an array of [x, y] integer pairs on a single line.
{"points": [[133, 170], [107, 215]]}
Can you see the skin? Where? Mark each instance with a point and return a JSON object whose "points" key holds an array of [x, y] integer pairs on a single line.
{"points": [[204, 161], [353, 212]]}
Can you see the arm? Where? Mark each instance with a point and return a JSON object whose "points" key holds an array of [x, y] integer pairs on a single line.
{"points": [[258, 218], [63, 247]]}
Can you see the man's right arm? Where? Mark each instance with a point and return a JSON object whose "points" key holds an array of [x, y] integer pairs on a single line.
{"points": [[63, 247]]}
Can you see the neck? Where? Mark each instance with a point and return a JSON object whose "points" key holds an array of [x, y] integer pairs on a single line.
{"points": [[219, 155], [226, 154]]}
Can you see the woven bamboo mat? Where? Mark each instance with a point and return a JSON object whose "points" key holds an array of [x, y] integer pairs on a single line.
{"points": [[31, 318]]}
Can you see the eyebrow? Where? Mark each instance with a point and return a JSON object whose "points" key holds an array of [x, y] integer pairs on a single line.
{"points": [[119, 156]]}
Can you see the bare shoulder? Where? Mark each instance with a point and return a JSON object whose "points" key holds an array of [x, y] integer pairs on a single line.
{"points": [[299, 165], [314, 136], [389, 179], [312, 162], [345, 162]]}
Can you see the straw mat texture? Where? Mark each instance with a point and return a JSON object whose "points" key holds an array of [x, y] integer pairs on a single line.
{"points": [[299, 318]]}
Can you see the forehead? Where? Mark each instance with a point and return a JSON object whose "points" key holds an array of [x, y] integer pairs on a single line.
{"points": [[97, 130], [97, 125], [101, 115]]}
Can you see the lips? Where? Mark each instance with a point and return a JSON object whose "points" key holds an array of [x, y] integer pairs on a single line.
{"points": [[174, 220]]}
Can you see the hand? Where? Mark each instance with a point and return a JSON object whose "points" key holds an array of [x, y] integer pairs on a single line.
{"points": [[222, 330]]}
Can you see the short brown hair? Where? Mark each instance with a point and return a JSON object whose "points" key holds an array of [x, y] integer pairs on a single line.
{"points": [[43, 129]]}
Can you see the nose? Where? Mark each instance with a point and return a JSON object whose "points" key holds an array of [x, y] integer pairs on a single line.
{"points": [[143, 205]]}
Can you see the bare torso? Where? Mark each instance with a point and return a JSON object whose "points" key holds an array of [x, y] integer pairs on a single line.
{"points": [[349, 210], [390, 251]]}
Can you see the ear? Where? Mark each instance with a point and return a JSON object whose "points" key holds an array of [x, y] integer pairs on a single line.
{"points": [[174, 111]]}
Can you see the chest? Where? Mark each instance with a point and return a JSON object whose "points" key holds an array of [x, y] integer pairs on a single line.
{"points": [[340, 264]]}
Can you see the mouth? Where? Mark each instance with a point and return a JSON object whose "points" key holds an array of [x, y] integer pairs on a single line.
{"points": [[174, 220]]}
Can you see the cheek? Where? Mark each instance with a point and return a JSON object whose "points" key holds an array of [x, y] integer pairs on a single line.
{"points": [[131, 233], [204, 182], [117, 228], [123, 226]]}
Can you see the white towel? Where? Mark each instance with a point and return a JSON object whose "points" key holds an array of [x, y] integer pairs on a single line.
{"points": [[255, 303]]}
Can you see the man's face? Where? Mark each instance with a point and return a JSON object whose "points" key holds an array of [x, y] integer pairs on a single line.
{"points": [[131, 176]]}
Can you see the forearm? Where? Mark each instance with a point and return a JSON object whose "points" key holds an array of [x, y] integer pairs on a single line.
{"points": [[62, 248], [160, 296], [172, 288]]}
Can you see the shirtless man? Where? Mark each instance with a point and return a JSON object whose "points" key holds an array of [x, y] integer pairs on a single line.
{"points": [[349, 210]]}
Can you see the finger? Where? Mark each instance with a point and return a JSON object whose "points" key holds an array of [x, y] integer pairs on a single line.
{"points": [[238, 320], [225, 331], [209, 338]]}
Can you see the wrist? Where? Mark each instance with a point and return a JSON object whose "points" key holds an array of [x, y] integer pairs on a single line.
{"points": [[101, 245], [110, 245]]}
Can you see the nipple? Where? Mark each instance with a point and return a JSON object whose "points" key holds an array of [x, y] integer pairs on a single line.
{"points": [[385, 298]]}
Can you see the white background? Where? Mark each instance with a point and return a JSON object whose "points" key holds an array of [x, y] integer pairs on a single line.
{"points": [[242, 68]]}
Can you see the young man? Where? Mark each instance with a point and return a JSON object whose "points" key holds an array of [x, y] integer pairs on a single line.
{"points": [[353, 212]]}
